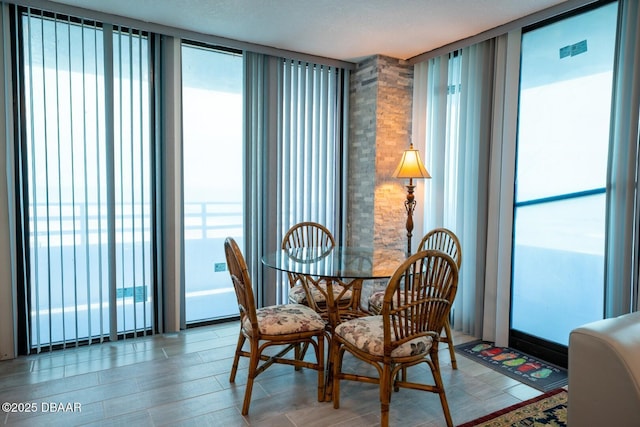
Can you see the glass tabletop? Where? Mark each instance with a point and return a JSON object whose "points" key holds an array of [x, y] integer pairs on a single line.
{"points": [[339, 262]]}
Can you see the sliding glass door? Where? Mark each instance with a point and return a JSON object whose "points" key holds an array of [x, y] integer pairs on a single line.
{"points": [[559, 212], [86, 167], [213, 177]]}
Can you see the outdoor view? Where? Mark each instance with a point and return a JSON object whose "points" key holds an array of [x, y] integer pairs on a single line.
{"points": [[213, 177]]}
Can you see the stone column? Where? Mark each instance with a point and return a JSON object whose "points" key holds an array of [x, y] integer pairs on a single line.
{"points": [[381, 91]]}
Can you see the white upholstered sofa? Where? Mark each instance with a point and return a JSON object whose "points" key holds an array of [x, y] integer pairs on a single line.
{"points": [[604, 373]]}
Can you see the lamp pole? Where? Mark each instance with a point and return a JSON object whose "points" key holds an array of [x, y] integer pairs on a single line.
{"points": [[410, 205]]}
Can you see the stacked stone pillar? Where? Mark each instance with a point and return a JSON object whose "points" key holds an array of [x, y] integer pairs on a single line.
{"points": [[381, 91]]}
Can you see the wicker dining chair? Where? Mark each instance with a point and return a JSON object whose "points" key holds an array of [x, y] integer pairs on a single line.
{"points": [[312, 235], [405, 333], [292, 325], [444, 240]]}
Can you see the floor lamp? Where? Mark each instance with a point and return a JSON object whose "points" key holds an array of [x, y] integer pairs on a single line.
{"points": [[410, 167]]}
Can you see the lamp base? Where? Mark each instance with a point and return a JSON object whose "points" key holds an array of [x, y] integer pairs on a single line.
{"points": [[410, 205]]}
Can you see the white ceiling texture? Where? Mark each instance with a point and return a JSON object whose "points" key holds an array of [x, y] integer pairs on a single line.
{"points": [[340, 29]]}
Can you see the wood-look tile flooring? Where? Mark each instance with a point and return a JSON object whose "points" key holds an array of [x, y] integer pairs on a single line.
{"points": [[182, 379]]}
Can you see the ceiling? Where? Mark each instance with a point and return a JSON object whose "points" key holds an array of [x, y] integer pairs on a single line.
{"points": [[340, 29]]}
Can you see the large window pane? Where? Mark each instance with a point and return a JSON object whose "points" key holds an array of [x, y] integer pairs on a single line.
{"points": [[563, 134], [213, 177], [88, 253], [559, 267]]}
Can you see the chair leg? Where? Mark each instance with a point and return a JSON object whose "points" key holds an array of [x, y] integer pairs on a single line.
{"points": [[435, 370], [384, 415], [253, 367], [449, 341], [328, 379], [385, 395], [403, 377], [301, 353], [336, 367], [297, 356], [236, 358], [320, 361]]}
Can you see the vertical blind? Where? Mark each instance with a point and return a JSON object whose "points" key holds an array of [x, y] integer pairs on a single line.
{"points": [[309, 148], [85, 156], [309, 135], [458, 90]]}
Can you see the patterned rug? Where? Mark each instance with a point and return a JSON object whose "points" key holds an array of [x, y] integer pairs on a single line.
{"points": [[548, 409], [515, 364]]}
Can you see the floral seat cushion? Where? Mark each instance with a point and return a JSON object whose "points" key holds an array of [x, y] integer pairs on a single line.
{"points": [[375, 301], [367, 334], [298, 296], [286, 319]]}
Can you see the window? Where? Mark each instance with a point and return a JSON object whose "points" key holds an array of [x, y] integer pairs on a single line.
{"points": [[563, 137], [212, 99], [85, 147], [90, 183]]}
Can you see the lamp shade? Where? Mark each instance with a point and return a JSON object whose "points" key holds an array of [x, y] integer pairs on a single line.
{"points": [[411, 166]]}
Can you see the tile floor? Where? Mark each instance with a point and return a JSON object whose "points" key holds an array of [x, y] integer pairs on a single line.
{"points": [[182, 379]]}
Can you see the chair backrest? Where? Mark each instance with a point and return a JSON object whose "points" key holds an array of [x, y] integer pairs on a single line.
{"points": [[445, 240], [418, 298], [241, 282], [308, 235]]}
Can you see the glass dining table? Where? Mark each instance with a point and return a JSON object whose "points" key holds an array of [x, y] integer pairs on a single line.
{"points": [[334, 272], [319, 270]]}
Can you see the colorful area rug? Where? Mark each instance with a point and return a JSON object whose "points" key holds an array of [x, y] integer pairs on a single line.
{"points": [[548, 409], [515, 364]]}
